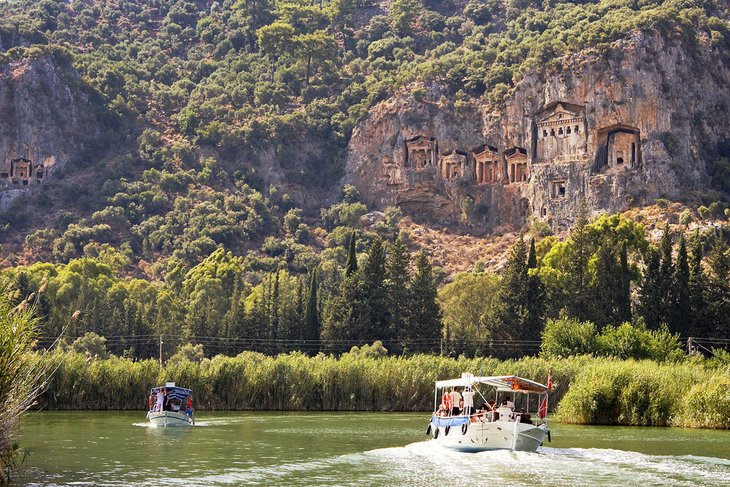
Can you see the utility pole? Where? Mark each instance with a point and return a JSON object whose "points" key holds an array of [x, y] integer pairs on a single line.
{"points": [[160, 351]]}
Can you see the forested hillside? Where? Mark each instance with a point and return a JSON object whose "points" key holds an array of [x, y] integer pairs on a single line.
{"points": [[208, 207]]}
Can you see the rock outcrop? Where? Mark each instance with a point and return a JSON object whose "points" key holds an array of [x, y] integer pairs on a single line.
{"points": [[616, 130], [48, 120]]}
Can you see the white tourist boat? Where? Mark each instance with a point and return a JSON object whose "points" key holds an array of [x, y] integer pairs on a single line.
{"points": [[170, 405], [502, 420]]}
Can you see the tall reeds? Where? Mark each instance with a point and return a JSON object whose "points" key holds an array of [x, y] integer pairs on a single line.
{"points": [[596, 390], [646, 393], [21, 379]]}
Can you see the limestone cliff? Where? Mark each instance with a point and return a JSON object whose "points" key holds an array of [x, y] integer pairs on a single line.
{"points": [[48, 120], [616, 129]]}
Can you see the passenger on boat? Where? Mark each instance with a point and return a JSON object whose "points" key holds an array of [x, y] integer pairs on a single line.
{"points": [[167, 403], [446, 399], [461, 407], [468, 400], [524, 417], [455, 398], [442, 410], [160, 400], [504, 411]]}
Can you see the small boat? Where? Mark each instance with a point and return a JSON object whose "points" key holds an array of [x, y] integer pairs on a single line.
{"points": [[503, 422], [170, 405]]}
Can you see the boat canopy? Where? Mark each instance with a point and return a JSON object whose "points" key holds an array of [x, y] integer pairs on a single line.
{"points": [[174, 392], [501, 383]]}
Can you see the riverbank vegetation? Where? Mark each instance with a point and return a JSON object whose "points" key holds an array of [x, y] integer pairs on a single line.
{"points": [[22, 375], [692, 392], [604, 289]]}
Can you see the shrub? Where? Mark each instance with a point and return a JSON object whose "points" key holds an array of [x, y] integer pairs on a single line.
{"points": [[566, 337], [188, 353], [685, 218], [91, 345], [704, 212]]}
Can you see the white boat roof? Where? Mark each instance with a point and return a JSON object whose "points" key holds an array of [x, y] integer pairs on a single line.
{"points": [[500, 382]]}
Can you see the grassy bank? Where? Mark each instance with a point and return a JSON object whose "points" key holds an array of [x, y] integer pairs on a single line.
{"points": [[587, 390]]}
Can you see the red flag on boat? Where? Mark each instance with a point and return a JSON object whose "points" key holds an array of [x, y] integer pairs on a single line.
{"points": [[542, 410]]}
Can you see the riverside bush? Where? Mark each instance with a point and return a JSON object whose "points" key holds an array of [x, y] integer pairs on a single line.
{"points": [[640, 393]]}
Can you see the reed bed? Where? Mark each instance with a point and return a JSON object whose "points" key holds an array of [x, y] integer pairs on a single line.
{"points": [[646, 393], [588, 390]]}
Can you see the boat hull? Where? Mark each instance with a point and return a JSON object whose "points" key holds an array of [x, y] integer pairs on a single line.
{"points": [[497, 435], [169, 418]]}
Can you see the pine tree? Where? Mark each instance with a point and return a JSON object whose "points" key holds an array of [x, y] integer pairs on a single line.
{"points": [[535, 298], [650, 293], [682, 305], [351, 266], [423, 333], [311, 318], [397, 284]]}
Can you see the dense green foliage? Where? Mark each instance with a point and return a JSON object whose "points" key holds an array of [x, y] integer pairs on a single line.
{"points": [[186, 239], [588, 390], [603, 290]]}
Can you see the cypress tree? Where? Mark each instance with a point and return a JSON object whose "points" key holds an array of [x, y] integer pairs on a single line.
{"points": [[624, 296], [513, 313], [311, 318], [697, 289], [535, 298], [666, 277], [351, 266], [374, 293], [397, 284], [606, 285], [650, 293], [578, 300], [682, 306], [424, 331], [718, 290]]}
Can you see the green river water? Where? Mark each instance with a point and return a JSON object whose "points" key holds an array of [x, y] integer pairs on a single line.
{"points": [[237, 448]]}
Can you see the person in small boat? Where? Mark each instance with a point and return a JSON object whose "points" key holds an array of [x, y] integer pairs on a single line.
{"points": [[160, 400], [189, 408], [461, 407], [442, 411], [167, 404], [455, 398]]}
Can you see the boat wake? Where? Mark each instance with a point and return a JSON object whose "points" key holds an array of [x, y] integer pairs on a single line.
{"points": [[425, 463]]}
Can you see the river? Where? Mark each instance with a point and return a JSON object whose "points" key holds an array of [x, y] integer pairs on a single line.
{"points": [[243, 448]]}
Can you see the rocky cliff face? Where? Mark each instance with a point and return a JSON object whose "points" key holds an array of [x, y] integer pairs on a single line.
{"points": [[617, 130], [48, 120]]}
